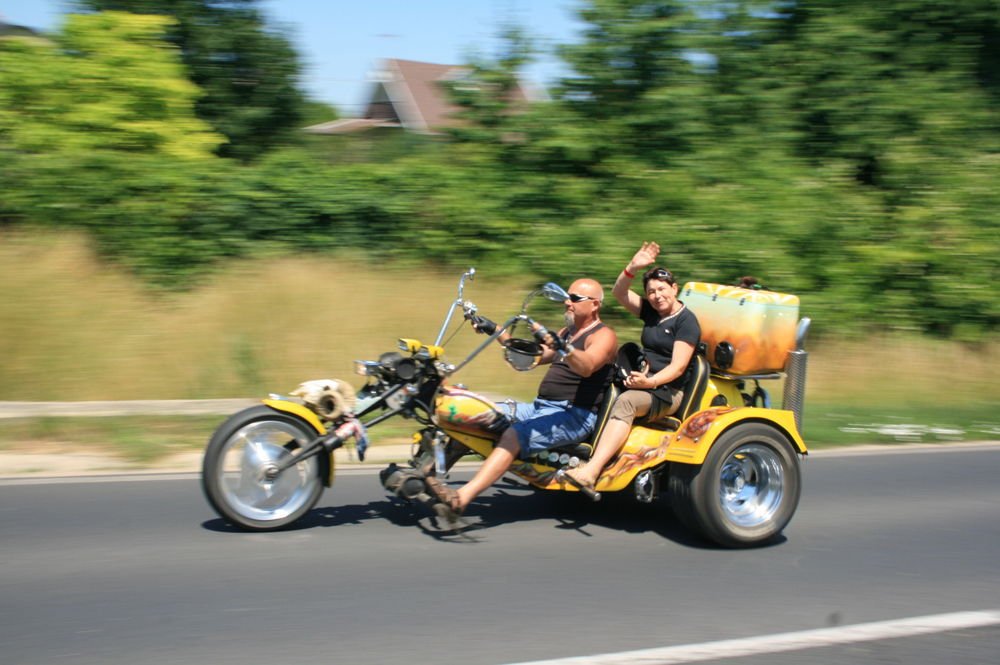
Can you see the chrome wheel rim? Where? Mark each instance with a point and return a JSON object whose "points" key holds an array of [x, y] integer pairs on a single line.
{"points": [[247, 458], [751, 485]]}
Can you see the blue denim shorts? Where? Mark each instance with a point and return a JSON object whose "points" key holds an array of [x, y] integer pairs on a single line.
{"points": [[545, 424]]}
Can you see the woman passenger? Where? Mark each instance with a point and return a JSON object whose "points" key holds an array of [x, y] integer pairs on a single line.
{"points": [[670, 336]]}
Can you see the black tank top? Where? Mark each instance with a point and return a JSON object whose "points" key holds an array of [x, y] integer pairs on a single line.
{"points": [[562, 383]]}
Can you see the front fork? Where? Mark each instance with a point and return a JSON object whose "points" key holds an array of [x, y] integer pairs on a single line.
{"points": [[324, 443]]}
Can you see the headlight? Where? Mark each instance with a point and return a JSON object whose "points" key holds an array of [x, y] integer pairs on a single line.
{"points": [[406, 369]]}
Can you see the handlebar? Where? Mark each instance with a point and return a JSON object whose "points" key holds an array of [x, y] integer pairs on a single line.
{"points": [[485, 326], [479, 323], [545, 336]]}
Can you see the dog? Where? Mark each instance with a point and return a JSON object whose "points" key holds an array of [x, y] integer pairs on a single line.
{"points": [[329, 398]]}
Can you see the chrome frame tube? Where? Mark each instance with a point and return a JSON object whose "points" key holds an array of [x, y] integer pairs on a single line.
{"points": [[489, 340], [471, 274]]}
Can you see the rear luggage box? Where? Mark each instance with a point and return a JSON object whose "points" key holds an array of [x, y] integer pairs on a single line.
{"points": [[760, 325]]}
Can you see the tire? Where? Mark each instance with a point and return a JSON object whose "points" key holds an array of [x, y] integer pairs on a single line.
{"points": [[233, 466], [745, 492]]}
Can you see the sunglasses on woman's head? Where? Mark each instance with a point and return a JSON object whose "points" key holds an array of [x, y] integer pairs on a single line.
{"points": [[661, 273], [576, 297]]}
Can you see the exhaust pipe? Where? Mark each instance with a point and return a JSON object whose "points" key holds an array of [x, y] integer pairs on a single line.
{"points": [[795, 374]]}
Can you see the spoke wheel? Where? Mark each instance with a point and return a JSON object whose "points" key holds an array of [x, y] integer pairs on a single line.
{"points": [[239, 471]]}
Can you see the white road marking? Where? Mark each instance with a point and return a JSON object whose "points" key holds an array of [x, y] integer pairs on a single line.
{"points": [[806, 639]]}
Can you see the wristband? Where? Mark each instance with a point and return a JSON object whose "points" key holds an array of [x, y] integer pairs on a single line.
{"points": [[627, 273]]}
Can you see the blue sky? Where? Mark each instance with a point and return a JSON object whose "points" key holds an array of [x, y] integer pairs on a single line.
{"points": [[340, 41]]}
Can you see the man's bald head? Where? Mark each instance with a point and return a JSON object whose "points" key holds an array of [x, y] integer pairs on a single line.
{"points": [[588, 287]]}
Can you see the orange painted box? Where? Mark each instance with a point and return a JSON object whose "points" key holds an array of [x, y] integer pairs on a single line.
{"points": [[760, 325]]}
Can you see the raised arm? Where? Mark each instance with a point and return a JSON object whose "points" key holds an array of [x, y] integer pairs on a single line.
{"points": [[622, 291]]}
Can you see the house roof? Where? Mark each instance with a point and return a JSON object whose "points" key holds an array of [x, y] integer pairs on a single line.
{"points": [[418, 85], [348, 125], [408, 94], [11, 30]]}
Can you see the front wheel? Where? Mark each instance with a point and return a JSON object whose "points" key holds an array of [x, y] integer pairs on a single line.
{"points": [[235, 474], [745, 492]]}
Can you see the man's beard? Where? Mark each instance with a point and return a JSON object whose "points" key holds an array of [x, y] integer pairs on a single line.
{"points": [[569, 318]]}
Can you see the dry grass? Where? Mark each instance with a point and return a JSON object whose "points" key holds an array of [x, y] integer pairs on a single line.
{"points": [[904, 370], [72, 328]]}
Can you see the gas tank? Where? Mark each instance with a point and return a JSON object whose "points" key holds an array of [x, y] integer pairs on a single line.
{"points": [[465, 411]]}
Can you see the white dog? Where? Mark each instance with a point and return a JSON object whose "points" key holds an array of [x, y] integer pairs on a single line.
{"points": [[329, 398]]}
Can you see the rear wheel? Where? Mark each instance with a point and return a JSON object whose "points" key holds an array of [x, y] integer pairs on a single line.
{"points": [[745, 492], [235, 472]]}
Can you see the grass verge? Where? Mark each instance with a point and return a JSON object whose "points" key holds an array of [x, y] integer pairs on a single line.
{"points": [[138, 439], [148, 439], [829, 425]]}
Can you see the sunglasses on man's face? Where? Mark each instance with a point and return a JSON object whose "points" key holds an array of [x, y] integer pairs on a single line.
{"points": [[576, 297]]}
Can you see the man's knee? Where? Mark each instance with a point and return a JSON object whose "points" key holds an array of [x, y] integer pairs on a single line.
{"points": [[510, 442]]}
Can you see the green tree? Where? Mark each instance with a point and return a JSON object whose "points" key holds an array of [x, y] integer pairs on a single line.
{"points": [[314, 113], [248, 70], [891, 104], [107, 83], [488, 92], [634, 79]]}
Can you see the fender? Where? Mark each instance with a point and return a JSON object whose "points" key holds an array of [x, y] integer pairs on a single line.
{"points": [[305, 414], [648, 448], [691, 442]]}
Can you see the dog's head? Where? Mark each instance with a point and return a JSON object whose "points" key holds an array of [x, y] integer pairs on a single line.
{"points": [[329, 398]]}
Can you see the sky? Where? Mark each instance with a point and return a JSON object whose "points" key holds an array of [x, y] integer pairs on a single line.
{"points": [[340, 42]]}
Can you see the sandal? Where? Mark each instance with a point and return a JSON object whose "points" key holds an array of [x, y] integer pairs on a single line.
{"points": [[572, 478], [450, 506]]}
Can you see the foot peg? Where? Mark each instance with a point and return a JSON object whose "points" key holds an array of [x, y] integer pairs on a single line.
{"points": [[587, 491], [404, 483]]}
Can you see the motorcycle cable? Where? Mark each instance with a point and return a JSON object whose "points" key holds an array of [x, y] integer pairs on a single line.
{"points": [[447, 341]]}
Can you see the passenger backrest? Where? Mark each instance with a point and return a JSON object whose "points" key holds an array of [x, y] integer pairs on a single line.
{"points": [[694, 389], [603, 413]]}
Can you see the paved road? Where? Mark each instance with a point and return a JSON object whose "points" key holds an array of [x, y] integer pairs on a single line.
{"points": [[140, 571]]}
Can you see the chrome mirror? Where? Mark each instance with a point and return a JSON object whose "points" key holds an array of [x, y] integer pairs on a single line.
{"points": [[554, 292], [550, 290]]}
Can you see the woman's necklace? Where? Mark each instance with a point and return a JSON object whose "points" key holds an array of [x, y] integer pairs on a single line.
{"points": [[668, 316]]}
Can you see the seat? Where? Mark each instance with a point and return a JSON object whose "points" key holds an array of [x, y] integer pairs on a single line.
{"points": [[694, 391], [603, 413]]}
